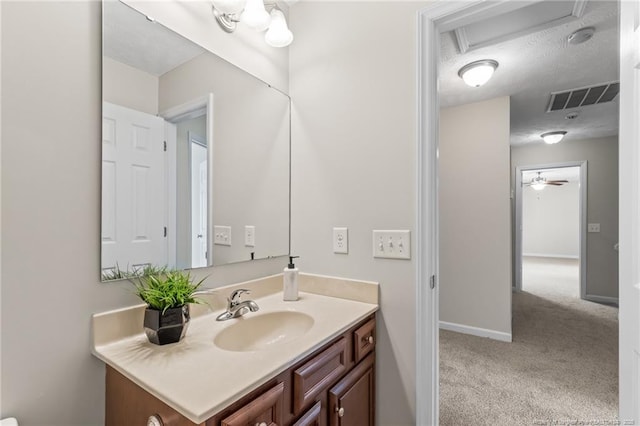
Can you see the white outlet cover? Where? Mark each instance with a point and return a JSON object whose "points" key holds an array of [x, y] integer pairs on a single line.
{"points": [[593, 227], [250, 236], [341, 240]]}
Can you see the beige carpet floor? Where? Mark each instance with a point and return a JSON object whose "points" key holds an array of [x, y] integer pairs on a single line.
{"points": [[560, 369]]}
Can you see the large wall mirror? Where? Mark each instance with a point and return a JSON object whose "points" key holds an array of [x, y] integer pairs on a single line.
{"points": [[195, 154]]}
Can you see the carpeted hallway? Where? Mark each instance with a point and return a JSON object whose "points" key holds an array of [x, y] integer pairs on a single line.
{"points": [[562, 365]]}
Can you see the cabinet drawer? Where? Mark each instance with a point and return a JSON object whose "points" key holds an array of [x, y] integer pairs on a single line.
{"points": [[311, 417], [318, 373], [364, 340], [265, 408]]}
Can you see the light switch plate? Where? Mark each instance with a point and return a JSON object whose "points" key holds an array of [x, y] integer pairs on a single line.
{"points": [[250, 236], [222, 235], [392, 244], [341, 240], [593, 227]]}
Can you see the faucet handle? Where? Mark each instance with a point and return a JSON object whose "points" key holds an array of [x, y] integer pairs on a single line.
{"points": [[236, 294]]}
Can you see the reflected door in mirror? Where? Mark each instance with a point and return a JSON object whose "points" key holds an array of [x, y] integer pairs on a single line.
{"points": [[132, 190]]}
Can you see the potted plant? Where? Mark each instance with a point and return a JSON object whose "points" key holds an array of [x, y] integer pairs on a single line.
{"points": [[167, 295]]}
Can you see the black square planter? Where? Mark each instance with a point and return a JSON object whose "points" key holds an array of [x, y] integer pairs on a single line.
{"points": [[166, 328]]}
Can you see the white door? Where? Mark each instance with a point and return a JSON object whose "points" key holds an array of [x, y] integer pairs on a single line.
{"points": [[198, 153], [629, 212], [133, 189]]}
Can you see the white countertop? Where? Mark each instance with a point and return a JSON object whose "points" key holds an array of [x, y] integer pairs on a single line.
{"points": [[198, 379]]}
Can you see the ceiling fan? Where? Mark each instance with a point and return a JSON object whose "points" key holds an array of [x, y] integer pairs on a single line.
{"points": [[538, 183]]}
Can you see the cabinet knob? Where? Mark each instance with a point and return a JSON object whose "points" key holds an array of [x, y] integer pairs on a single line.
{"points": [[155, 420], [261, 424], [370, 340], [340, 411]]}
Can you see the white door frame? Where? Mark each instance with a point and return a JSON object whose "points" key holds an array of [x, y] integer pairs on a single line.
{"points": [[629, 251], [582, 233], [195, 108], [442, 15]]}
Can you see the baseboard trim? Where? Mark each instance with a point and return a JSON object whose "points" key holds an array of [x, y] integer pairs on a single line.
{"points": [[476, 331], [601, 299], [554, 256]]}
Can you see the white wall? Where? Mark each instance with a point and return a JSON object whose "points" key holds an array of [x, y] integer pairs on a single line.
{"points": [[353, 85], [551, 221], [602, 200], [129, 87], [50, 176], [474, 213]]}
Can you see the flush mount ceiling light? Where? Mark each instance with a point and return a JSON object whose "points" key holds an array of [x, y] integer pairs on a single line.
{"points": [[553, 137], [253, 13], [582, 35], [477, 73]]}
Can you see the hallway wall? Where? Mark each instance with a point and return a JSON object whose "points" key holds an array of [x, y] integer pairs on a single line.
{"points": [[602, 201]]}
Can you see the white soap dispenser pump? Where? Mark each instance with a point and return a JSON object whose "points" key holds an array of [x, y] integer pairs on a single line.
{"points": [[290, 281]]}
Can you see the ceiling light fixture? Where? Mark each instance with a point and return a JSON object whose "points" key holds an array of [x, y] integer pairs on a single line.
{"points": [[477, 73], [553, 137], [538, 186], [582, 35], [253, 13]]}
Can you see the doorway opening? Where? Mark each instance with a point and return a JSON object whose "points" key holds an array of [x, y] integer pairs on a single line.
{"points": [[434, 21], [550, 225]]}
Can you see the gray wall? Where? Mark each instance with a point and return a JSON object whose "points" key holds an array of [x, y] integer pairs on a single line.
{"points": [[353, 85], [250, 150], [602, 200], [474, 213], [50, 174], [129, 87]]}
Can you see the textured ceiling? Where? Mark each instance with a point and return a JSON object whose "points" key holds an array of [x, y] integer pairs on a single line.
{"points": [[129, 37], [536, 64]]}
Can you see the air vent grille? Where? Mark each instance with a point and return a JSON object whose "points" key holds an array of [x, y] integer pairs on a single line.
{"points": [[584, 96]]}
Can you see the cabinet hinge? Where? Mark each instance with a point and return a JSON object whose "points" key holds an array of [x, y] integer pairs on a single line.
{"points": [[165, 231], [432, 282], [165, 146]]}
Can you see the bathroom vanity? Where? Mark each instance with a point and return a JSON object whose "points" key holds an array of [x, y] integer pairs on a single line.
{"points": [[309, 362]]}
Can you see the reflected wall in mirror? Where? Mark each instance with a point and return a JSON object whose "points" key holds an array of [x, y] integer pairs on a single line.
{"points": [[195, 154]]}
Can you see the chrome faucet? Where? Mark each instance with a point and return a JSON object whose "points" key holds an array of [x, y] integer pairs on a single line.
{"points": [[236, 308]]}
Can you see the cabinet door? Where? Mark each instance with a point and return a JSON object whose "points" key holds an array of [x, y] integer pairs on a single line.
{"points": [[265, 410], [351, 400], [311, 417]]}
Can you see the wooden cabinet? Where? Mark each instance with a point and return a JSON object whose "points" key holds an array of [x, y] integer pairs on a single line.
{"points": [[265, 409], [333, 386], [311, 417], [351, 401]]}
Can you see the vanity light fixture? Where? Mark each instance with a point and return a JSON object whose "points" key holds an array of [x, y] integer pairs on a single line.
{"points": [[477, 73], [253, 13], [553, 137]]}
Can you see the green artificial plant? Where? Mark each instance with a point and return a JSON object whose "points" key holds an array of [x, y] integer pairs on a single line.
{"points": [[168, 289]]}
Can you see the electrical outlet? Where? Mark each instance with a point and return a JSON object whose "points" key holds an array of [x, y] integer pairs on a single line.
{"points": [[392, 244], [250, 236], [593, 227], [341, 240], [222, 235]]}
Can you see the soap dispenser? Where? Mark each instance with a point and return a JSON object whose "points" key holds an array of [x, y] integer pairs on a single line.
{"points": [[290, 281]]}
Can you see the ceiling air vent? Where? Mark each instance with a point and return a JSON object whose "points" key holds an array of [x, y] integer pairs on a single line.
{"points": [[584, 96]]}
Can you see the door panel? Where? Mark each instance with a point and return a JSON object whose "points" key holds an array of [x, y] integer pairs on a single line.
{"points": [[133, 195]]}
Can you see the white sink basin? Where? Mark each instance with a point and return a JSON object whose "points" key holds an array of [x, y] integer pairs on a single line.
{"points": [[262, 331]]}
